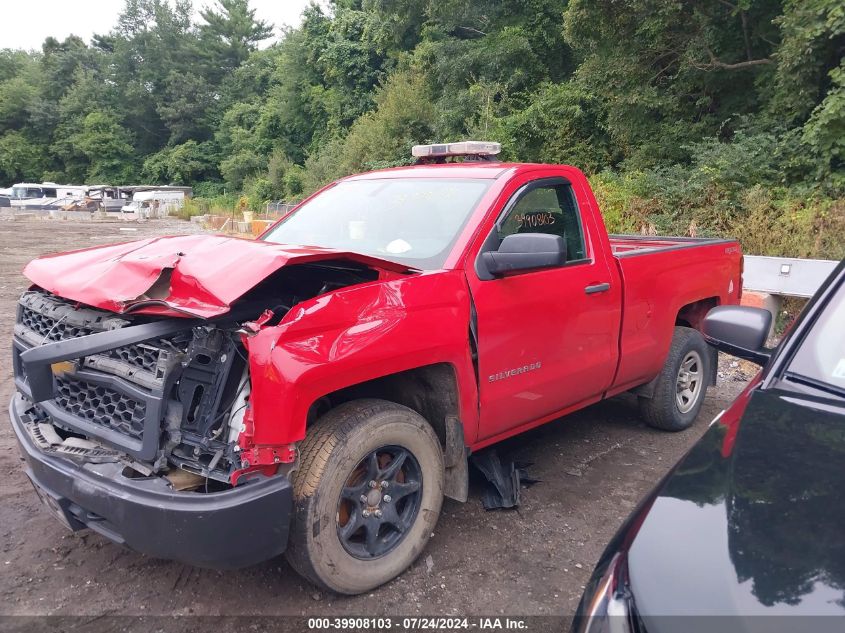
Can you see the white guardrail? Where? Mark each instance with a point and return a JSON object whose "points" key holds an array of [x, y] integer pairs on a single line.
{"points": [[785, 276]]}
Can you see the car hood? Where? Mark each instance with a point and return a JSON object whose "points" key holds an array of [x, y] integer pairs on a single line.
{"points": [[189, 275], [750, 521]]}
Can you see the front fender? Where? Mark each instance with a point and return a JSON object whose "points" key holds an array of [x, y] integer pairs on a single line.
{"points": [[354, 335]]}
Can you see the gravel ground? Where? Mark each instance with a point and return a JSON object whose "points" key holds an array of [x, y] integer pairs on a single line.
{"points": [[594, 466]]}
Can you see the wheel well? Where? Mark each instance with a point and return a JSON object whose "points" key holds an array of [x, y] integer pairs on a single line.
{"points": [[692, 314], [431, 391]]}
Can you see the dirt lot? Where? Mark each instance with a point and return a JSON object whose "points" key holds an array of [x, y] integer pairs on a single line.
{"points": [[594, 467]]}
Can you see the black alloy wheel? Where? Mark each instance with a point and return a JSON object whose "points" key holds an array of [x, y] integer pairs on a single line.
{"points": [[379, 503]]}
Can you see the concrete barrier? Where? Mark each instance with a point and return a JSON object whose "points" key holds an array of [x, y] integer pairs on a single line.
{"points": [[764, 300], [767, 280], [785, 276]]}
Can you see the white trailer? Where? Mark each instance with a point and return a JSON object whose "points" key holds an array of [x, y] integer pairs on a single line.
{"points": [[45, 194], [154, 204]]}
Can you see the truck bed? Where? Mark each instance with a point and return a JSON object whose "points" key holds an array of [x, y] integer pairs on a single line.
{"points": [[668, 281], [631, 245]]}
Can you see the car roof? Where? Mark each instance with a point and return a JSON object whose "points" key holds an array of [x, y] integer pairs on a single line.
{"points": [[475, 169]]}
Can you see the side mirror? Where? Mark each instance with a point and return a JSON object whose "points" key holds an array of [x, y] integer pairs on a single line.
{"points": [[740, 331], [524, 251]]}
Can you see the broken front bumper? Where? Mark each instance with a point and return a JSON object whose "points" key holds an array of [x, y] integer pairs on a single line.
{"points": [[224, 530]]}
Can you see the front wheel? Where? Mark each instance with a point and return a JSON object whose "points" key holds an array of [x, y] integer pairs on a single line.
{"points": [[367, 495], [682, 385]]}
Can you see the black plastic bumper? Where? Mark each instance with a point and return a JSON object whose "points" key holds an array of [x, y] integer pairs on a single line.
{"points": [[223, 530]]}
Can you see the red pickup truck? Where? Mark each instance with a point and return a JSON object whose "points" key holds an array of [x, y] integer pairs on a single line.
{"points": [[317, 391]]}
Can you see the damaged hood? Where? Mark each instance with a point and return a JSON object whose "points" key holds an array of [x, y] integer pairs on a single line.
{"points": [[192, 275]]}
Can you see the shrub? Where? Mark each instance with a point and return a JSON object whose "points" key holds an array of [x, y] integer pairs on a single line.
{"points": [[208, 189], [767, 219]]}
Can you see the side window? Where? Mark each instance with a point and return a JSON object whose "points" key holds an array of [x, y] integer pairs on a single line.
{"points": [[548, 209]]}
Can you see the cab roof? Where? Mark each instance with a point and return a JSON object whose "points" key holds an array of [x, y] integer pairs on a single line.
{"points": [[475, 169]]}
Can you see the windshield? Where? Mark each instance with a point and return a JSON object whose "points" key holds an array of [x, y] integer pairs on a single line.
{"points": [[821, 357], [413, 221]]}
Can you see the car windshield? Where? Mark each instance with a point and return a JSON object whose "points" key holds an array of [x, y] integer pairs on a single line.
{"points": [[821, 356], [412, 221]]}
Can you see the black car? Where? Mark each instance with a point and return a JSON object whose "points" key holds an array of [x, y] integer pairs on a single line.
{"points": [[751, 522]]}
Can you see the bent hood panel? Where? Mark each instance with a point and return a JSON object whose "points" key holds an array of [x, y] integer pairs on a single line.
{"points": [[194, 275]]}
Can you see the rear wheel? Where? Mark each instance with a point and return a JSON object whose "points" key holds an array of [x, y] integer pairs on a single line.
{"points": [[682, 385], [367, 495]]}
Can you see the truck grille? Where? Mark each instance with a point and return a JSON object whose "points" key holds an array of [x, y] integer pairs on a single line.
{"points": [[44, 318], [56, 328], [143, 356], [117, 395], [101, 406], [130, 397], [49, 328]]}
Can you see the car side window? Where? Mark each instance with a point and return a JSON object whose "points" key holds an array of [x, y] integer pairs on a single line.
{"points": [[548, 209]]}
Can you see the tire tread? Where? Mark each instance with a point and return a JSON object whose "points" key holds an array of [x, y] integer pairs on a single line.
{"points": [[659, 411], [315, 452]]}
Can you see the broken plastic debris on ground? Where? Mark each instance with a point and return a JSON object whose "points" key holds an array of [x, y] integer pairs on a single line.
{"points": [[504, 480]]}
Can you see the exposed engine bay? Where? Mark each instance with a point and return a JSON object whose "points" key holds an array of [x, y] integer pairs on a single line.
{"points": [[172, 405]]}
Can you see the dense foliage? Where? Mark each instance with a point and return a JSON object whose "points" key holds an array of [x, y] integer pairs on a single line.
{"points": [[721, 116]]}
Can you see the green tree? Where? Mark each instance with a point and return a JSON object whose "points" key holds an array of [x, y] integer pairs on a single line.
{"points": [[561, 123], [188, 107], [107, 147], [692, 117], [86, 95], [810, 88], [824, 133], [181, 164], [326, 75], [20, 158], [154, 45], [671, 72], [813, 43], [19, 91], [60, 62], [229, 35], [241, 150], [405, 115]]}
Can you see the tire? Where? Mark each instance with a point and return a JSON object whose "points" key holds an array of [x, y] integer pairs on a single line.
{"points": [[668, 409], [338, 457]]}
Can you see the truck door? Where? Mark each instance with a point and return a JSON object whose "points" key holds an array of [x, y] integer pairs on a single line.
{"points": [[547, 338]]}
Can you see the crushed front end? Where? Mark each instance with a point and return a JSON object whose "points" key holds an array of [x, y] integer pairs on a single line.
{"points": [[134, 426]]}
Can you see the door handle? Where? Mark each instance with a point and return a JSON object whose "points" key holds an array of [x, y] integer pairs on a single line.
{"points": [[594, 288]]}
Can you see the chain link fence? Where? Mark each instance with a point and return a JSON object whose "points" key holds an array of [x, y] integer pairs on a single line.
{"points": [[279, 208]]}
